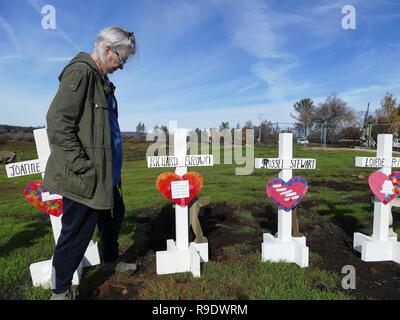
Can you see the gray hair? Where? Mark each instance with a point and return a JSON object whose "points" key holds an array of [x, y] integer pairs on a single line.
{"points": [[115, 37]]}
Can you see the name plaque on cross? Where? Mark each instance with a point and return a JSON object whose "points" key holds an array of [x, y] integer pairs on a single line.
{"points": [[25, 168], [180, 161], [279, 163], [377, 162]]}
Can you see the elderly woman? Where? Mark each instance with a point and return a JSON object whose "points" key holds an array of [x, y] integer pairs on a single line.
{"points": [[86, 158]]}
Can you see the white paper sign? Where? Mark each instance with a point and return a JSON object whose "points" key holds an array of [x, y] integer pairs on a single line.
{"points": [[25, 168], [47, 196], [180, 189], [280, 163], [180, 161], [377, 162]]}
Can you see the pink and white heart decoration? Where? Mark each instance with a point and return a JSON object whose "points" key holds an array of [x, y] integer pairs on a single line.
{"points": [[287, 195], [385, 188]]}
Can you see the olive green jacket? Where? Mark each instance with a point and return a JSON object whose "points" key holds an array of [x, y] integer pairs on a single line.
{"points": [[80, 164]]}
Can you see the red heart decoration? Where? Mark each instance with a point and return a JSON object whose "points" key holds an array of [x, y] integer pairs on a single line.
{"points": [[33, 193], [376, 181], [164, 180], [287, 195]]}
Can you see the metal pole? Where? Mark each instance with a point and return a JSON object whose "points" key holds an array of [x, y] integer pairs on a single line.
{"points": [[369, 135], [322, 132], [260, 117]]}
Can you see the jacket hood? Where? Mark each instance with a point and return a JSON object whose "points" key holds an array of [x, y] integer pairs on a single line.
{"points": [[81, 57]]}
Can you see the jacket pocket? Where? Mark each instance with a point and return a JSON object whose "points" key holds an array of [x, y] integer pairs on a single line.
{"points": [[100, 119], [83, 185], [100, 112]]}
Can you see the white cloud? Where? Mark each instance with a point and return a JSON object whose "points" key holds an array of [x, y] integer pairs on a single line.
{"points": [[11, 35], [11, 57], [258, 30], [250, 28], [58, 59], [280, 81]]}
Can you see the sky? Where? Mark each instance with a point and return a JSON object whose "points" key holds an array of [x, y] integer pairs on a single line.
{"points": [[202, 62]]}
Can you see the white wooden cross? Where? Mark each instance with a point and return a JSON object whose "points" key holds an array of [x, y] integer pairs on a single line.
{"points": [[41, 272], [181, 256], [285, 247], [383, 244]]}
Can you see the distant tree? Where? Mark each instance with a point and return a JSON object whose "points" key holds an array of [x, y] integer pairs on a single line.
{"points": [[305, 111], [249, 125], [140, 128], [387, 117], [350, 133], [205, 135], [165, 129], [267, 130], [335, 115], [198, 134], [389, 107], [224, 125]]}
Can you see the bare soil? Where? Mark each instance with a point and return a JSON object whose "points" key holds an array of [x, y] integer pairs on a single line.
{"points": [[326, 238]]}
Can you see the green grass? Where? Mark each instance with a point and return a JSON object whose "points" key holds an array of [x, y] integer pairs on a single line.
{"points": [[25, 233], [244, 276], [244, 215]]}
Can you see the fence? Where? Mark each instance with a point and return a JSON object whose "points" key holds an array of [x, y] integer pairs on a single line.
{"points": [[327, 134]]}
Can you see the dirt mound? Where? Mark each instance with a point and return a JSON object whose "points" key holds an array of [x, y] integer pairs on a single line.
{"points": [[377, 280], [328, 241]]}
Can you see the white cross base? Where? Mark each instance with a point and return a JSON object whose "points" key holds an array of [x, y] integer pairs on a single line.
{"points": [[285, 247], [381, 245], [372, 249], [275, 250], [41, 272], [181, 256], [174, 260]]}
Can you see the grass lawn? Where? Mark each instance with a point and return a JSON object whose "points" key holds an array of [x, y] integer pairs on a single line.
{"points": [[338, 200]]}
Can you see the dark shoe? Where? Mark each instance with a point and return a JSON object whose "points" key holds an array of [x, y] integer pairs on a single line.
{"points": [[118, 266], [70, 294]]}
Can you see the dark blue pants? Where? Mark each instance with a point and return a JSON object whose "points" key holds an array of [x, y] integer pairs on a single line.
{"points": [[109, 225], [78, 225]]}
